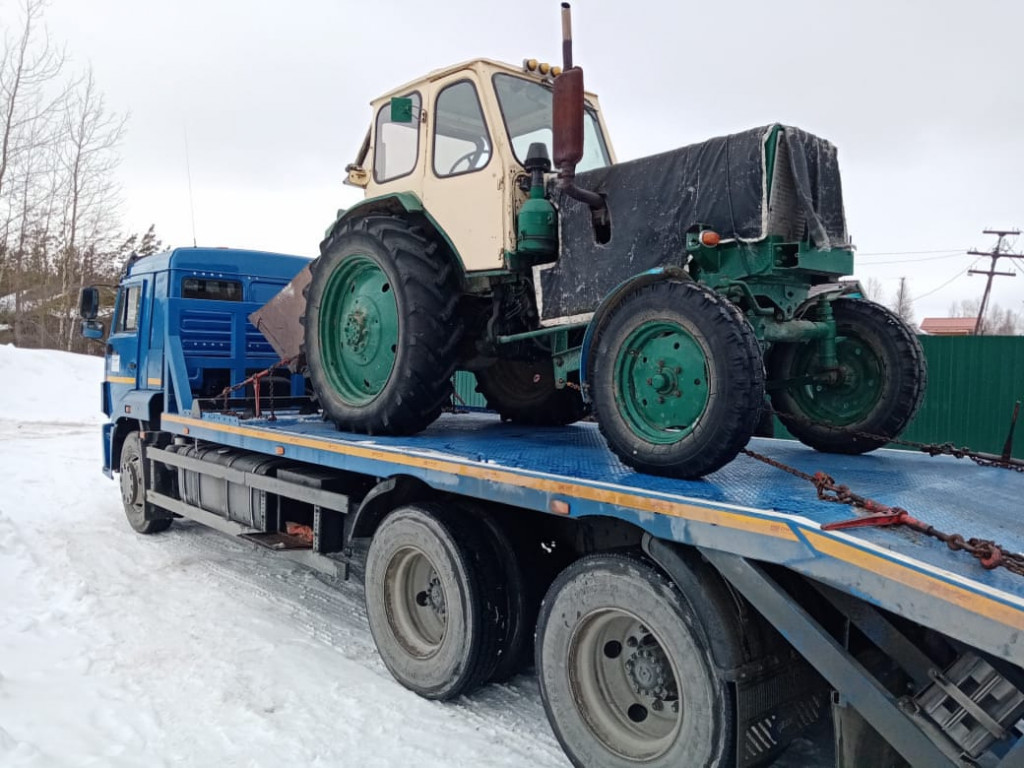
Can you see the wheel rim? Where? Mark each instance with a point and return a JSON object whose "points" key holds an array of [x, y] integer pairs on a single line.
{"points": [[131, 482], [358, 329], [415, 602], [661, 378], [625, 685], [856, 390]]}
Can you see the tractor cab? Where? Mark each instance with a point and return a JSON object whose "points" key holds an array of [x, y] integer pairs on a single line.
{"points": [[457, 143]]}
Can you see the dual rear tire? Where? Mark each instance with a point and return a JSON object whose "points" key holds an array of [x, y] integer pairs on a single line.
{"points": [[445, 600]]}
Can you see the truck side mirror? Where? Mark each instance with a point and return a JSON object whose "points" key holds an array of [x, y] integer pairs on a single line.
{"points": [[92, 329], [401, 109], [567, 120], [89, 303]]}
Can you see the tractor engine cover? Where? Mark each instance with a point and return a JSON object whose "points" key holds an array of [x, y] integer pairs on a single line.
{"points": [[721, 184]]}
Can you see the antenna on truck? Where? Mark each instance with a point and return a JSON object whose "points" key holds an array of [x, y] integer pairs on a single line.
{"points": [[191, 202]]}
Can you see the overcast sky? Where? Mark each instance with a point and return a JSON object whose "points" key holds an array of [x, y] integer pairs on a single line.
{"points": [[925, 101]]}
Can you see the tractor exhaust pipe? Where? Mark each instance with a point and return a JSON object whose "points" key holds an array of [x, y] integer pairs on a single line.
{"points": [[566, 37], [567, 121]]}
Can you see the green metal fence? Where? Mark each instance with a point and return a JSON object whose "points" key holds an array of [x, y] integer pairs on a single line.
{"points": [[973, 383]]}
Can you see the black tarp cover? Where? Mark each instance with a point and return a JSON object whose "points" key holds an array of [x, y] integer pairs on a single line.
{"points": [[719, 183]]}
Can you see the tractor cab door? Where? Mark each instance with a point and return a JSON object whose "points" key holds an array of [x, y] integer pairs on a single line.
{"points": [[464, 177]]}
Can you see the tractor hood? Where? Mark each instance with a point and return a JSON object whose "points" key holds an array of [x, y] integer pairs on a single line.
{"points": [[770, 181]]}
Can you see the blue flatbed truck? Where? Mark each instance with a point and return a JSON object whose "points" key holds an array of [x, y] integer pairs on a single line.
{"points": [[671, 622]]}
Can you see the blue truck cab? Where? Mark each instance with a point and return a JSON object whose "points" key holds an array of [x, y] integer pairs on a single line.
{"points": [[193, 303]]}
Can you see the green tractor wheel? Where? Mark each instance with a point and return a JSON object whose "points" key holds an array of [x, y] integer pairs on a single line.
{"points": [[876, 391], [524, 392], [381, 328], [677, 380]]}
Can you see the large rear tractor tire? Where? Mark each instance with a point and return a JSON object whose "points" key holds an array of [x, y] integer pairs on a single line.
{"points": [[880, 384], [381, 328], [677, 380], [626, 670], [142, 516], [524, 393], [435, 601]]}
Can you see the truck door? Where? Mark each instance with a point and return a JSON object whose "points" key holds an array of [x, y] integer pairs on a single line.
{"points": [[463, 178], [122, 363]]}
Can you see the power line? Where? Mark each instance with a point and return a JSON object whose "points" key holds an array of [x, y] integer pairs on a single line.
{"points": [[960, 273], [911, 253], [948, 255]]}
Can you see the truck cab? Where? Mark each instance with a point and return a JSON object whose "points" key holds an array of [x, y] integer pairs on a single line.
{"points": [[188, 302]]}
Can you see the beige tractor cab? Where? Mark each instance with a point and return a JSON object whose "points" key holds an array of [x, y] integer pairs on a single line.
{"points": [[458, 140], [667, 296]]}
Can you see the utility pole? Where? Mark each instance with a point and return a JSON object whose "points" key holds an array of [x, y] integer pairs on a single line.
{"points": [[994, 254]]}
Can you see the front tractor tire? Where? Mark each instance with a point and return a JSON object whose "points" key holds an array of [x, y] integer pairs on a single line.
{"points": [[877, 390], [524, 392], [381, 328], [677, 380]]}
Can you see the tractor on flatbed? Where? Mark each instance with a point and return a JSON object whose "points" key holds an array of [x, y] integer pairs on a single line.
{"points": [[665, 295]]}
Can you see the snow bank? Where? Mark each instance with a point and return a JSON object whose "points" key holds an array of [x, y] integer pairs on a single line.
{"points": [[49, 386]]}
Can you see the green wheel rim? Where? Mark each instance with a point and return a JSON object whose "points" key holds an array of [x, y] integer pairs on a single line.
{"points": [[661, 382], [358, 329], [852, 396]]}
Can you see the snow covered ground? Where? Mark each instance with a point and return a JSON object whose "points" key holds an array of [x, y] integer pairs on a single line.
{"points": [[191, 648]]}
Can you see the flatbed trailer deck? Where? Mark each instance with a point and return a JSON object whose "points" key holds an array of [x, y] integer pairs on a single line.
{"points": [[747, 509]]}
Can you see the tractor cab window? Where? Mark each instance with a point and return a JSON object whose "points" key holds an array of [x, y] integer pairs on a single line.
{"points": [[397, 145], [526, 109], [461, 142], [128, 309]]}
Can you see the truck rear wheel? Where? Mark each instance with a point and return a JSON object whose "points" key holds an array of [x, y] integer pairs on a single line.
{"points": [[139, 512], [433, 601], [881, 382], [524, 393], [626, 672], [677, 380], [381, 328]]}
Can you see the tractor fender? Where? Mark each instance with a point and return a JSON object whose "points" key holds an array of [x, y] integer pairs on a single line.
{"points": [[613, 299], [395, 204]]}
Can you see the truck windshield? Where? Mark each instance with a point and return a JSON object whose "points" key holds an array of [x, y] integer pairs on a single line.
{"points": [[526, 109]]}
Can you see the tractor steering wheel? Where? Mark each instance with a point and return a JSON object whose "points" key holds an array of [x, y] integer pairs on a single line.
{"points": [[470, 158]]}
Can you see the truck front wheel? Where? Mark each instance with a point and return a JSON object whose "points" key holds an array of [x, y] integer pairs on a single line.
{"points": [[626, 671], [139, 512], [433, 600]]}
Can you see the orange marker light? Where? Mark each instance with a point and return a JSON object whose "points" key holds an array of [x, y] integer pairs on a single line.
{"points": [[559, 507], [544, 68], [529, 64], [709, 238]]}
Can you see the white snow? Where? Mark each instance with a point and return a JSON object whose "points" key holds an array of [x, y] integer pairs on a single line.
{"points": [[190, 648]]}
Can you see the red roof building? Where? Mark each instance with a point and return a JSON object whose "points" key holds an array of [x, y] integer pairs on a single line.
{"points": [[949, 326]]}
